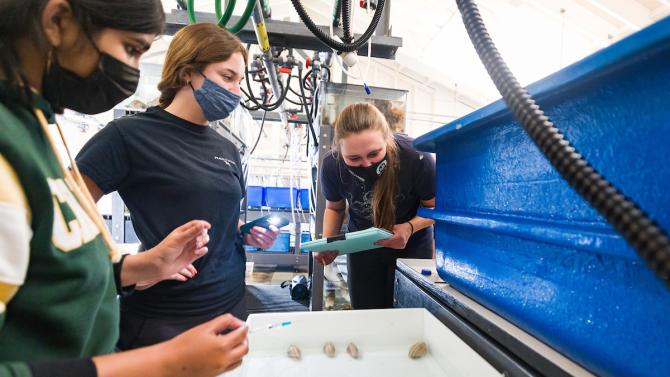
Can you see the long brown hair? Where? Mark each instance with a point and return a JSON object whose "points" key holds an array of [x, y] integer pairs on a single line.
{"points": [[359, 117], [191, 50]]}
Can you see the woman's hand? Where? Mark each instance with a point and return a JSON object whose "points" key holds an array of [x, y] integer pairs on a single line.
{"points": [[207, 350], [326, 257], [261, 237], [401, 234], [177, 251], [210, 349], [183, 275]]}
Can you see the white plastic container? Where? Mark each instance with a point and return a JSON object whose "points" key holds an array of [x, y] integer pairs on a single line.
{"points": [[383, 337]]}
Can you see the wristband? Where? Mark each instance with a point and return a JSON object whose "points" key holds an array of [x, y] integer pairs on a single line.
{"points": [[120, 290], [411, 226]]}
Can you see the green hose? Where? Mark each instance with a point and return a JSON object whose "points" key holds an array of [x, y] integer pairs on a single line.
{"points": [[191, 12], [223, 19], [244, 18]]}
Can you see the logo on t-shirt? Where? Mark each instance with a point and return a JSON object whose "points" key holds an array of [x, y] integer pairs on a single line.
{"points": [[362, 208], [227, 161]]}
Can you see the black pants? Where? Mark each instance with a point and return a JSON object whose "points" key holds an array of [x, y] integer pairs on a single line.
{"points": [[372, 274], [139, 331]]}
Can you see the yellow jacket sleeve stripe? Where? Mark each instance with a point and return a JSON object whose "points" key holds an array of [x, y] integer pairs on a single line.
{"points": [[15, 233]]}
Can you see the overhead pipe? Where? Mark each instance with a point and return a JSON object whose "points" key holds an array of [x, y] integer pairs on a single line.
{"points": [[264, 43]]}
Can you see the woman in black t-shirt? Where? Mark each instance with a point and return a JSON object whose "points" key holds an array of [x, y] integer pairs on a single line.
{"points": [[382, 180], [170, 167]]}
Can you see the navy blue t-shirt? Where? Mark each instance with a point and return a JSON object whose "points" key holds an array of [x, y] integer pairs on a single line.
{"points": [[415, 180], [168, 172]]}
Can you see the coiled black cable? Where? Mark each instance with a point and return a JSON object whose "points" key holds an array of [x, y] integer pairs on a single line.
{"points": [[643, 234], [330, 42], [336, 13], [346, 21]]}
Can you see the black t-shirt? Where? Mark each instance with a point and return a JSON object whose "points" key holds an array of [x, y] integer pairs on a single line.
{"points": [[168, 172], [415, 180]]}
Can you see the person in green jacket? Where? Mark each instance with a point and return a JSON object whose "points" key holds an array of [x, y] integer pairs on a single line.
{"points": [[59, 271]]}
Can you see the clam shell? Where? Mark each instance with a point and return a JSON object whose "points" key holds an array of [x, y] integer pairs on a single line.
{"points": [[418, 350], [329, 349], [353, 351], [293, 352]]}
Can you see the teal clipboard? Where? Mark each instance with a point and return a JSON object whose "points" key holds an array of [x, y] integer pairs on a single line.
{"points": [[349, 242]]}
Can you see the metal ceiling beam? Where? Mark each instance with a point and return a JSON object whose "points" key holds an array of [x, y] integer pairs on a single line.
{"points": [[273, 116], [287, 34]]}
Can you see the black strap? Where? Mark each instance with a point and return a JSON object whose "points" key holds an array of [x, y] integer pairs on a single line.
{"points": [[64, 368], [121, 291], [339, 237]]}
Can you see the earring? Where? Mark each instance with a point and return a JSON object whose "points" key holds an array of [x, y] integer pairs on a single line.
{"points": [[50, 58]]}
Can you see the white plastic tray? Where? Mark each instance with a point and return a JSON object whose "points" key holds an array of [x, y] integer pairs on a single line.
{"points": [[382, 336]]}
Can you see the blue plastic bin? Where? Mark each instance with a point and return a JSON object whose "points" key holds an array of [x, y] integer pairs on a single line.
{"points": [[305, 237], [255, 196], [281, 244], [279, 197], [303, 198], [513, 235]]}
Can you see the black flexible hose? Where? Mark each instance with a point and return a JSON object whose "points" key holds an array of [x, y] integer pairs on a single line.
{"points": [[330, 42], [260, 132], [308, 113], [299, 95], [248, 98], [307, 145], [643, 234], [266, 107], [346, 21], [328, 71], [283, 93], [336, 13]]}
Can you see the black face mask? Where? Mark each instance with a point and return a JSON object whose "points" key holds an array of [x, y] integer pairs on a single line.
{"points": [[370, 173], [110, 83]]}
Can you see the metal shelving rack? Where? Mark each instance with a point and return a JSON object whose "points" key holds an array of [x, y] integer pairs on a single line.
{"points": [[293, 257]]}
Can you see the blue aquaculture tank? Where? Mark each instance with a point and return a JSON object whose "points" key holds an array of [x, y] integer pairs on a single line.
{"points": [[281, 244], [280, 197], [514, 236], [303, 198], [255, 196]]}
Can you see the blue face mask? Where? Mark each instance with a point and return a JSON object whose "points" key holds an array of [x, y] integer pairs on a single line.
{"points": [[215, 101]]}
